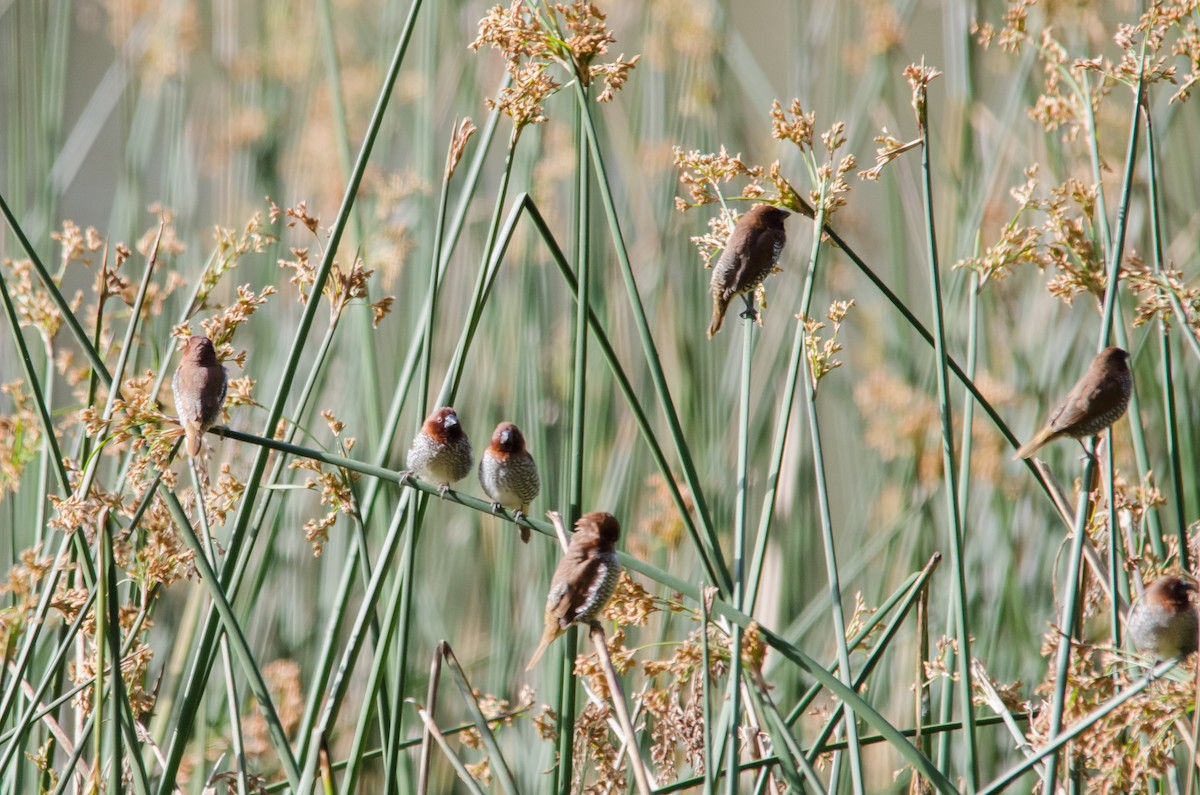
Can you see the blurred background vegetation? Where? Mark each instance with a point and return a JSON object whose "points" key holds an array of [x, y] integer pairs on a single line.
{"points": [[119, 113]]}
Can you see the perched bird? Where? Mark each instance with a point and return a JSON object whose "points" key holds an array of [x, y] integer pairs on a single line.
{"points": [[199, 386], [1094, 403], [751, 253], [441, 452], [584, 580], [1163, 621], [508, 473]]}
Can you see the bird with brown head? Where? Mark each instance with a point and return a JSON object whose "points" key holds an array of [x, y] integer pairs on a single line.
{"points": [[1164, 621], [508, 473], [1095, 402], [584, 580], [440, 452], [749, 257], [199, 387]]}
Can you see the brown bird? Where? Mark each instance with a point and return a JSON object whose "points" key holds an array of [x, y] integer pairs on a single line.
{"points": [[508, 473], [199, 386], [441, 452], [1163, 621], [1094, 403], [750, 255], [584, 580]]}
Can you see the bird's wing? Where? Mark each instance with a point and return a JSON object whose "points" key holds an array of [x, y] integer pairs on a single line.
{"points": [[214, 402], [577, 579], [758, 257], [1083, 402]]}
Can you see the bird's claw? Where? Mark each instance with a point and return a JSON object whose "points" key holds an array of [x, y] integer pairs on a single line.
{"points": [[442, 489], [406, 476], [496, 507]]}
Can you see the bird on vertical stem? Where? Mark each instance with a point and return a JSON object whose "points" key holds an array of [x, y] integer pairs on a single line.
{"points": [[1164, 621], [508, 473], [199, 386], [441, 452], [584, 580], [1094, 403], [749, 257]]}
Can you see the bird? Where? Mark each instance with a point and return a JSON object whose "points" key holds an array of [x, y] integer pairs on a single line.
{"points": [[584, 580], [1095, 402], [508, 473], [749, 256], [441, 451], [199, 386], [1163, 621]]}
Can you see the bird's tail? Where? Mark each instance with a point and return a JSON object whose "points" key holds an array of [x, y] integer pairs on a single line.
{"points": [[1033, 445], [718, 315], [193, 434], [548, 637]]}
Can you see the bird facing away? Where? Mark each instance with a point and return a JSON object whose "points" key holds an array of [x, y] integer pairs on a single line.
{"points": [[749, 256], [508, 473], [1163, 621], [584, 580], [441, 452], [1094, 403], [199, 386]]}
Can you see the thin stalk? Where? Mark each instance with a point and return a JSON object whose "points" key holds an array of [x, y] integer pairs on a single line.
{"points": [[233, 632], [955, 527], [1164, 343], [197, 682], [710, 549], [722, 608], [498, 765], [706, 693], [1049, 752], [1066, 624], [826, 519], [231, 698], [435, 678], [442, 743], [739, 554]]}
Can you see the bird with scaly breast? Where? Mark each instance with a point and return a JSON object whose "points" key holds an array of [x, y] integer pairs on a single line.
{"points": [[199, 386], [749, 257], [1094, 403], [1164, 621], [508, 473], [584, 580], [440, 452]]}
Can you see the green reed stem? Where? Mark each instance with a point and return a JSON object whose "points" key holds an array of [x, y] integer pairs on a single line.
{"points": [[1167, 378], [739, 554], [955, 527], [711, 549], [1066, 623], [197, 682]]}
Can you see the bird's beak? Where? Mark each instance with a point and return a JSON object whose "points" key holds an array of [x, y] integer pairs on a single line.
{"points": [[505, 436], [451, 421]]}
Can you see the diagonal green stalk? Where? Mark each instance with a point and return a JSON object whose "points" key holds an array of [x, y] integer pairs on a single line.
{"points": [[498, 765], [197, 682], [955, 527], [233, 632], [721, 608], [711, 549], [1049, 752]]}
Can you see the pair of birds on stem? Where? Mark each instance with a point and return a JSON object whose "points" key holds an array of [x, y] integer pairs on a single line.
{"points": [[441, 454]]}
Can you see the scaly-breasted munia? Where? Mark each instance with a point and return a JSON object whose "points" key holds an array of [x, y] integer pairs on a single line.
{"points": [[750, 254], [441, 452], [508, 473], [584, 580], [1163, 621], [1094, 403], [199, 386]]}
